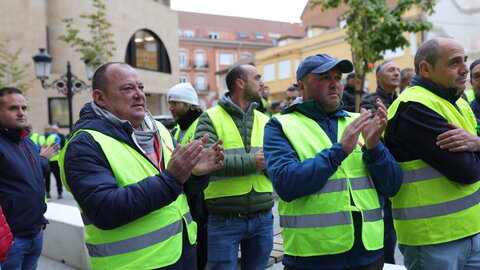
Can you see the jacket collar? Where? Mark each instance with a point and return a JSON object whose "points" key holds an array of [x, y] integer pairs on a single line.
{"points": [[312, 109], [449, 94], [381, 93], [15, 134]]}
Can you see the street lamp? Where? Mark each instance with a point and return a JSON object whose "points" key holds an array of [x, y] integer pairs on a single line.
{"points": [[68, 84]]}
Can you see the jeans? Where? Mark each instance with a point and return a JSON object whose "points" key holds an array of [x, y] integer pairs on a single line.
{"points": [[24, 253], [254, 234], [459, 254]]}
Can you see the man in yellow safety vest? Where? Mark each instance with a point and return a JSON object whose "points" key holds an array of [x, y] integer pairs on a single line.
{"points": [[127, 175], [431, 133], [327, 175]]}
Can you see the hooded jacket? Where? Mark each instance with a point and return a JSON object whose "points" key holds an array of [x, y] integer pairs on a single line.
{"points": [[93, 184], [22, 189]]}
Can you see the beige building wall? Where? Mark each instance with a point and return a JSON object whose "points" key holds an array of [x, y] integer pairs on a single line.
{"points": [[25, 23], [331, 42]]}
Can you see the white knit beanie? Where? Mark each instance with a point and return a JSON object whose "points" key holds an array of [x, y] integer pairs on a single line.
{"points": [[183, 92]]}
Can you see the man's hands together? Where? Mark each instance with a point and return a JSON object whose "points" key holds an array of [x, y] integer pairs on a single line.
{"points": [[371, 130], [193, 158]]}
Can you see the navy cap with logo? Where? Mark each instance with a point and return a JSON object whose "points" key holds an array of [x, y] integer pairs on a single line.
{"points": [[321, 63]]}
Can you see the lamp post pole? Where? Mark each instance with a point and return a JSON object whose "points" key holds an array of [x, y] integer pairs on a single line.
{"points": [[69, 94], [67, 84]]}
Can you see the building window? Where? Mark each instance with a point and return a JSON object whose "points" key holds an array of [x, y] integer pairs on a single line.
{"points": [[413, 43], [183, 59], [269, 72], [58, 111], [201, 83], [213, 35], [200, 60], [259, 36], [389, 54], [309, 32], [284, 70], [226, 59], [183, 79], [146, 50], [282, 42], [245, 55], [188, 33], [242, 34]]}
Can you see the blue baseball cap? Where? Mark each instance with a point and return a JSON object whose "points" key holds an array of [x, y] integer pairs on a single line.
{"points": [[321, 63]]}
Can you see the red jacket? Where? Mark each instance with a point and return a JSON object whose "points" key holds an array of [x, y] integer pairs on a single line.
{"points": [[6, 237]]}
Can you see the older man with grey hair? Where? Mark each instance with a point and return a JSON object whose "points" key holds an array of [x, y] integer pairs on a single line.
{"points": [[388, 79]]}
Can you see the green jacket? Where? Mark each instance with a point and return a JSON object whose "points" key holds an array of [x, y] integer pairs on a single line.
{"points": [[235, 165]]}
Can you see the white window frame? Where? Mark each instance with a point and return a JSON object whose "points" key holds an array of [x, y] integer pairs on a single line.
{"points": [[284, 69], [226, 59], [269, 72]]}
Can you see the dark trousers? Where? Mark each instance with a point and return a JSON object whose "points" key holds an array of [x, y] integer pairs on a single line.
{"points": [[187, 259], [378, 265], [390, 239], [55, 169]]}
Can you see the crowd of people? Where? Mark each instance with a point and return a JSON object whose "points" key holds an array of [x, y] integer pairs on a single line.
{"points": [[350, 184]]}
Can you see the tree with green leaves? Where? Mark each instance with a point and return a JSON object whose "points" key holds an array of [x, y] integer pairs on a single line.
{"points": [[100, 47], [373, 28], [12, 73]]}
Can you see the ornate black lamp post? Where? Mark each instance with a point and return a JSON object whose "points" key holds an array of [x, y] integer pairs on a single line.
{"points": [[68, 84]]}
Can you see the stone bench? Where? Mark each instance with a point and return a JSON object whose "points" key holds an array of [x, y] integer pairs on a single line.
{"points": [[63, 240]]}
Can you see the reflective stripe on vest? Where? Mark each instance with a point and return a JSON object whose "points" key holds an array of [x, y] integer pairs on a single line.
{"points": [[226, 130], [149, 242], [328, 219], [430, 208], [321, 223]]}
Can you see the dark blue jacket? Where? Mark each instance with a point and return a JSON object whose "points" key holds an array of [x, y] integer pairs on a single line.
{"points": [[293, 179], [93, 184], [22, 189]]}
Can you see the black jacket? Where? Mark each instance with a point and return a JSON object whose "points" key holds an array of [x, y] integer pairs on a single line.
{"points": [[369, 101], [412, 134], [22, 189], [348, 99]]}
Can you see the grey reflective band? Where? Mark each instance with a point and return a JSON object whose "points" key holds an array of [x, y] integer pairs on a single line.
{"points": [[436, 210], [85, 219], [135, 243], [335, 185], [419, 175], [254, 149], [372, 215], [218, 178], [360, 183], [188, 217], [234, 151], [316, 221], [240, 151]]}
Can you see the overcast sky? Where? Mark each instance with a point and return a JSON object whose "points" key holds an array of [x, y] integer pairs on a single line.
{"points": [[275, 10]]}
